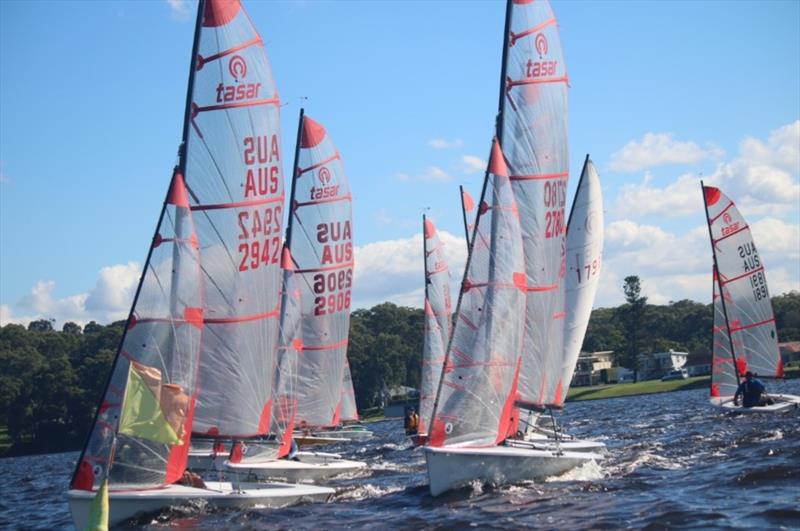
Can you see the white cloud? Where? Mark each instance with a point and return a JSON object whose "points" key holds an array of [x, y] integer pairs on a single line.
{"points": [[441, 143], [657, 149], [679, 198], [108, 301], [180, 9], [473, 164], [435, 173], [391, 270]]}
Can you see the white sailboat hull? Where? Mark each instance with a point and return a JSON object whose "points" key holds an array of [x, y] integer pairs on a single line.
{"points": [[313, 440], [451, 467], [569, 445], [311, 466], [124, 505], [350, 435], [783, 404], [202, 461]]}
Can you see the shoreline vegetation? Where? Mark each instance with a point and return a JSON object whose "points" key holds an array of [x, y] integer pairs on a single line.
{"points": [[51, 380]]}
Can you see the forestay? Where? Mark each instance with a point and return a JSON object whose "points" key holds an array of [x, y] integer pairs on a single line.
{"points": [[236, 194], [746, 302], [438, 313], [478, 383], [583, 261], [533, 133], [322, 249], [156, 365]]}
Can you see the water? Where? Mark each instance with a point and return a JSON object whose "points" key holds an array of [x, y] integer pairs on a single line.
{"points": [[674, 462]]}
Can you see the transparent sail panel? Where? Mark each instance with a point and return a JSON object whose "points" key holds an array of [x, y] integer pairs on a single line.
{"points": [[741, 272], [236, 192], [163, 339], [478, 382], [583, 260], [723, 371], [534, 138], [322, 247], [438, 314]]}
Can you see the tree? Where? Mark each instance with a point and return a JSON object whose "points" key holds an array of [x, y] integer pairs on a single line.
{"points": [[71, 328], [41, 325], [632, 315]]}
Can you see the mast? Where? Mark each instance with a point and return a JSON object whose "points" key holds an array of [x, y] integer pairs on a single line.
{"points": [[719, 285], [179, 168], [577, 191], [425, 254], [464, 215], [294, 179], [501, 99]]}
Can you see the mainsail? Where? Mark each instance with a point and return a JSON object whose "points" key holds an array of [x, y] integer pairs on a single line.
{"points": [[532, 129], [349, 412], [322, 248], [724, 380], [438, 312], [149, 399], [583, 261], [478, 384], [236, 193], [745, 302]]}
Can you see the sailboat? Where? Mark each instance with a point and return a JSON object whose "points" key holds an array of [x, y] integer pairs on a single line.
{"points": [[473, 411], [207, 292], [438, 324], [350, 428], [744, 334], [319, 257]]}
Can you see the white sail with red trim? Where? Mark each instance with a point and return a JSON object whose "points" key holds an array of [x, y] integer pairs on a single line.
{"points": [[322, 249], [162, 338], [723, 371], [584, 259], [349, 410], [534, 139], [236, 193], [478, 383], [438, 313], [746, 302]]}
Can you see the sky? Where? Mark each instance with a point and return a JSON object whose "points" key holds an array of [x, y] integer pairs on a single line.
{"points": [[662, 94]]}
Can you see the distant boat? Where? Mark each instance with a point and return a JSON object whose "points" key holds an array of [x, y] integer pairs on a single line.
{"points": [[745, 337], [438, 324], [207, 303]]}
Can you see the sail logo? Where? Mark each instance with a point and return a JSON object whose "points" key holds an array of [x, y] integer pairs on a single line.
{"points": [[730, 229], [237, 67], [541, 44], [325, 191]]}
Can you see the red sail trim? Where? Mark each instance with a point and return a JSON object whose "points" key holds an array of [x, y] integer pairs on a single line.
{"points": [[505, 285], [220, 12], [540, 176], [243, 318], [159, 240], [266, 416], [467, 322], [560, 79], [711, 194], [479, 364], [328, 268], [313, 133], [286, 441], [177, 195], [514, 37], [301, 171], [734, 279], [179, 454], [715, 218], [508, 407], [752, 325], [737, 231], [202, 61], [252, 103], [559, 315], [172, 320], [238, 204], [340, 344], [537, 289], [298, 204], [430, 231]]}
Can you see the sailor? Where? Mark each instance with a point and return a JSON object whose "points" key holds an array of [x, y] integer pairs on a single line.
{"points": [[753, 392], [411, 422]]}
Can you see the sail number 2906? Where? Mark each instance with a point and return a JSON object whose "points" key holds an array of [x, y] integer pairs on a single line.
{"points": [[340, 281]]}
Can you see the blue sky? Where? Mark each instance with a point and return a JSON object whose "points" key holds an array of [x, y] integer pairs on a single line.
{"points": [[92, 96]]}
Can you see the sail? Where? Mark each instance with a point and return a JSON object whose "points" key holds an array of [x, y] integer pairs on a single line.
{"points": [[583, 261], [438, 312], [149, 400], [467, 206], [322, 249], [533, 132], [290, 346], [349, 409], [723, 373], [746, 302], [236, 194], [478, 383]]}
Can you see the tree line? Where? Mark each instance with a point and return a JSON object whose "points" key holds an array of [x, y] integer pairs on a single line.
{"points": [[51, 381]]}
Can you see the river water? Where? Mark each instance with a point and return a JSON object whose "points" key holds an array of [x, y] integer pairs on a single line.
{"points": [[674, 462]]}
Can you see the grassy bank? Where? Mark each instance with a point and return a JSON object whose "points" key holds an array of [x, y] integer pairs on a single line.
{"points": [[638, 388]]}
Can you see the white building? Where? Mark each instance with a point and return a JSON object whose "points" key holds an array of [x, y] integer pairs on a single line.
{"points": [[658, 364]]}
